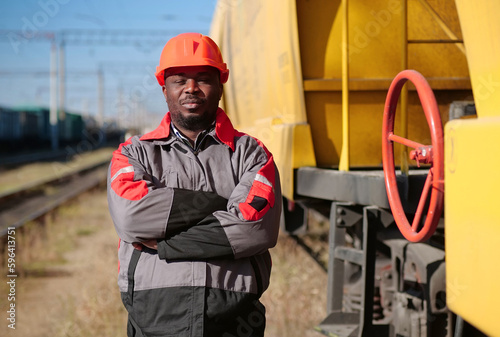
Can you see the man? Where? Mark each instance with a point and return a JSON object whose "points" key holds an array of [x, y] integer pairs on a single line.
{"points": [[196, 205]]}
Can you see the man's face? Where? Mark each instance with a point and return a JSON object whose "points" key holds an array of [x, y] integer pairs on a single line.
{"points": [[192, 95]]}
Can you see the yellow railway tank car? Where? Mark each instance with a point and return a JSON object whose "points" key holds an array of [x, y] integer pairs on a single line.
{"points": [[321, 84]]}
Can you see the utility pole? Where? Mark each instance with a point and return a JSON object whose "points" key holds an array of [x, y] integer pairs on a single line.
{"points": [[62, 82], [53, 98], [120, 110], [100, 95], [100, 107]]}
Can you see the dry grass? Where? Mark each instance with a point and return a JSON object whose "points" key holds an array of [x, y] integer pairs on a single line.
{"points": [[296, 298], [67, 284], [67, 267]]}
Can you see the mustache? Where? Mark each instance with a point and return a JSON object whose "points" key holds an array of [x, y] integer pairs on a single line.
{"points": [[193, 99]]}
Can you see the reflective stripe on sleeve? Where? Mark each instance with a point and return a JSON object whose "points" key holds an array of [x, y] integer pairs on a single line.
{"points": [[123, 170]]}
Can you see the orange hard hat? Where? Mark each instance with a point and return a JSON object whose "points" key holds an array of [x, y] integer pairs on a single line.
{"points": [[191, 49]]}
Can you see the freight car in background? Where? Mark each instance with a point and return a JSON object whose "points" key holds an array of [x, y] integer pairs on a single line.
{"points": [[28, 129], [318, 82]]}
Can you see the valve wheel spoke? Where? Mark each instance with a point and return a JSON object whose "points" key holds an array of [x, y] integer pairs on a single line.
{"points": [[404, 141], [422, 201]]}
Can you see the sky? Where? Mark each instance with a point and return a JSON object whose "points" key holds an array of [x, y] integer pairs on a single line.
{"points": [[121, 39]]}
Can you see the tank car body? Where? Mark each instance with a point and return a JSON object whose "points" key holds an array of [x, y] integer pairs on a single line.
{"points": [[310, 78]]}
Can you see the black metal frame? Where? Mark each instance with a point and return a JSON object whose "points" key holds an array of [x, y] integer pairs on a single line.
{"points": [[337, 322]]}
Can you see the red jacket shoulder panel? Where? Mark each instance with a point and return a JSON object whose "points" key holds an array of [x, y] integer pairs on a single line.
{"points": [[162, 131]]}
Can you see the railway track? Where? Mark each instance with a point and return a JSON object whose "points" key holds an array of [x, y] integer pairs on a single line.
{"points": [[26, 203]]}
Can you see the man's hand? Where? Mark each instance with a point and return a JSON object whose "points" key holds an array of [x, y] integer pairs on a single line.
{"points": [[153, 244]]}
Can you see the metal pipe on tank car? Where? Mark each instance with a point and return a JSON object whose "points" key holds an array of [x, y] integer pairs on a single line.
{"points": [[344, 154]]}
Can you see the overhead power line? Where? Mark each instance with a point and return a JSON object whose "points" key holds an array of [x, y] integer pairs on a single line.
{"points": [[36, 73], [116, 37], [93, 36], [9, 35]]}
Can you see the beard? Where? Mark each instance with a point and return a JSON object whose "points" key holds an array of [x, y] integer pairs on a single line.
{"points": [[194, 122]]}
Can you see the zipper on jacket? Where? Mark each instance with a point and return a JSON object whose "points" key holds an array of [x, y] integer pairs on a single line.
{"points": [[180, 148]]}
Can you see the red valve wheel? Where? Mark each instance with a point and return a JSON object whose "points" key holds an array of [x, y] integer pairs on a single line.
{"points": [[429, 154]]}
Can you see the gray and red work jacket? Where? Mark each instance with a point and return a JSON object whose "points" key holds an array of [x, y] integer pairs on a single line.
{"points": [[215, 212]]}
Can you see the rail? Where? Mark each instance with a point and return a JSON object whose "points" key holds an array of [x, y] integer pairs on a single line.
{"points": [[26, 203]]}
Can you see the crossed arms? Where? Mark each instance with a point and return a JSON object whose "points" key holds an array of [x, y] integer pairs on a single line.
{"points": [[183, 224]]}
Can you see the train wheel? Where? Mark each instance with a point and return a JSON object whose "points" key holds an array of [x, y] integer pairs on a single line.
{"points": [[428, 154]]}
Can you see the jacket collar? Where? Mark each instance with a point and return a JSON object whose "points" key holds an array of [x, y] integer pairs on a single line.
{"points": [[224, 129]]}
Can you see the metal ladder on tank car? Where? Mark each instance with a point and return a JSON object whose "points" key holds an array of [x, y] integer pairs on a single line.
{"points": [[338, 322]]}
